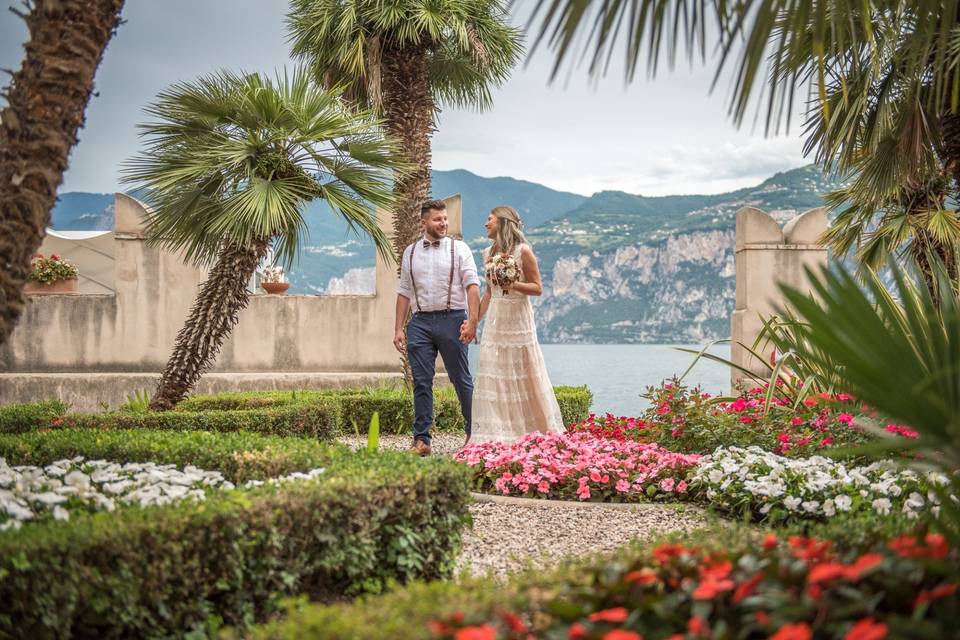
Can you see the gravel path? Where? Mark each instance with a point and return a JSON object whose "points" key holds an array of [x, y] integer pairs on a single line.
{"points": [[444, 444], [509, 535]]}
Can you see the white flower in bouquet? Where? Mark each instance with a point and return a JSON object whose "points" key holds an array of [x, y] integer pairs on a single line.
{"points": [[503, 270]]}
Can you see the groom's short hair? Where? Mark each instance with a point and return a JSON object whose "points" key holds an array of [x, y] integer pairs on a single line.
{"points": [[430, 205]]}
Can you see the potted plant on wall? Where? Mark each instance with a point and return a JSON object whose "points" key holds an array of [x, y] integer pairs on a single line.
{"points": [[273, 280], [51, 275]]}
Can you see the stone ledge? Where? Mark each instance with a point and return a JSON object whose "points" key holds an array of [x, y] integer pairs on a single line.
{"points": [[90, 391]]}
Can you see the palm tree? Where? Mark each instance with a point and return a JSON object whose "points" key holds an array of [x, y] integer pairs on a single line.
{"points": [[912, 223], [46, 101], [229, 165], [404, 59]]}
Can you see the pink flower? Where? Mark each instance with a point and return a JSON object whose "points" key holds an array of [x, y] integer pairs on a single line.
{"points": [[845, 418], [797, 421], [682, 486], [667, 484]]}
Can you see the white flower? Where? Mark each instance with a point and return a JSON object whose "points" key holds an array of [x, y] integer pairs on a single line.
{"points": [[843, 502], [882, 506], [829, 508], [792, 502], [811, 506], [59, 513], [77, 479], [914, 501]]}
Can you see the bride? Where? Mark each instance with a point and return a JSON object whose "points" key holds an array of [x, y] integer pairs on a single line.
{"points": [[512, 394]]}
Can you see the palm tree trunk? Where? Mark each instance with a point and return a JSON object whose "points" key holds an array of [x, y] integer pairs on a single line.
{"points": [[410, 114], [46, 103], [214, 314]]}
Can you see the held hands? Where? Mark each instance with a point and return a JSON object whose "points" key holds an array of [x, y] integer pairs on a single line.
{"points": [[468, 331], [400, 341]]}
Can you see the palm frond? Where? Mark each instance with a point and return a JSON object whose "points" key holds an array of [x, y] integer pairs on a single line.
{"points": [[234, 158]]}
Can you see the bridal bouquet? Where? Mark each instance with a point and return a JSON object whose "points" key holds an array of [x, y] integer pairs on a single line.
{"points": [[503, 270]]}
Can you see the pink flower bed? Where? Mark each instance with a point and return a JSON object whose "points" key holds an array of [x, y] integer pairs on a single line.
{"points": [[578, 466]]}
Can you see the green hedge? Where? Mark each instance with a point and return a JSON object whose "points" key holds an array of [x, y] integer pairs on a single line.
{"points": [[395, 406], [18, 418], [318, 419], [676, 585], [371, 519], [320, 414]]}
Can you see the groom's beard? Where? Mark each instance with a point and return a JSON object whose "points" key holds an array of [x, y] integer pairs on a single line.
{"points": [[434, 236]]}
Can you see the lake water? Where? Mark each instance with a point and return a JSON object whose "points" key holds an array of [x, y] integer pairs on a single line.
{"points": [[618, 373]]}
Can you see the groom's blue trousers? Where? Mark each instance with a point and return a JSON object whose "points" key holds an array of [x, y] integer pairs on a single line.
{"points": [[428, 333]]}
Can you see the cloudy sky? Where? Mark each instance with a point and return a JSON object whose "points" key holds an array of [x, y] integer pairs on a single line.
{"points": [[666, 136]]}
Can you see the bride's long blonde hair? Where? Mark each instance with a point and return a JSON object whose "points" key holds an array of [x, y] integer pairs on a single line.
{"points": [[509, 235]]}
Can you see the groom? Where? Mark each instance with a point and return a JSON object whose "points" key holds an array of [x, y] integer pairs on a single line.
{"points": [[438, 276]]}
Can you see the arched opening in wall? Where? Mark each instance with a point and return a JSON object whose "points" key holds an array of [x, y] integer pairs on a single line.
{"points": [[333, 259]]}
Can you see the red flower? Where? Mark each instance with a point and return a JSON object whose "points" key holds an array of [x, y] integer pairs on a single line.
{"points": [[937, 546], [940, 591], [439, 628], [621, 634], [770, 542], [711, 588], [867, 629], [576, 631], [54, 256], [665, 553], [798, 631], [616, 614], [514, 623], [644, 576], [826, 572], [485, 632], [863, 564], [718, 571], [698, 627], [809, 549], [905, 546], [746, 588], [762, 617]]}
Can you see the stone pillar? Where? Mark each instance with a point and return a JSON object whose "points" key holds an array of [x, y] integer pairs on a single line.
{"points": [[767, 256]]}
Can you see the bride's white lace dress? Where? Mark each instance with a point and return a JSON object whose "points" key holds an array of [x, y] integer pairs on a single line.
{"points": [[512, 394]]}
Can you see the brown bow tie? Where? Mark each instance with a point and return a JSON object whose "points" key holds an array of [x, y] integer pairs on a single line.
{"points": [[431, 243]]}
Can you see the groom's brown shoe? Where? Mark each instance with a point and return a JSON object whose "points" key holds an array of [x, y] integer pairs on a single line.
{"points": [[420, 448]]}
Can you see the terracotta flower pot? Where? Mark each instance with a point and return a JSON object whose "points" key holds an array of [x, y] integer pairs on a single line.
{"points": [[277, 288], [60, 286]]}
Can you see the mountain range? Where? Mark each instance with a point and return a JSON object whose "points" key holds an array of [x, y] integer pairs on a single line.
{"points": [[616, 267]]}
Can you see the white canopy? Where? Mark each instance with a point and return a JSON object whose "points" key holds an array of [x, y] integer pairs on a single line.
{"points": [[91, 251]]}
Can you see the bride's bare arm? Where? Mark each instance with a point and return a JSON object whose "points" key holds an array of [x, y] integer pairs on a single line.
{"points": [[485, 300], [531, 274]]}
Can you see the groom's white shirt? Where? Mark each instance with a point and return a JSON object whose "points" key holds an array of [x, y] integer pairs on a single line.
{"points": [[431, 271]]}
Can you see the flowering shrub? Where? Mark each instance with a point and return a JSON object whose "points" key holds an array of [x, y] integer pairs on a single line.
{"points": [[50, 270], [762, 484], [577, 466], [686, 419], [40, 493], [794, 589], [273, 274]]}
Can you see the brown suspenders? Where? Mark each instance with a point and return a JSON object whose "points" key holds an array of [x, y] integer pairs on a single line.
{"points": [[413, 282]]}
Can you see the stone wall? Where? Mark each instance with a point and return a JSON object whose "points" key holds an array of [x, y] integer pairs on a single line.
{"points": [[767, 256], [118, 343]]}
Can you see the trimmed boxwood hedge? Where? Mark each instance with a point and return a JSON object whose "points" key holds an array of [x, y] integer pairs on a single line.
{"points": [[395, 406], [18, 418], [317, 414], [371, 519], [673, 586]]}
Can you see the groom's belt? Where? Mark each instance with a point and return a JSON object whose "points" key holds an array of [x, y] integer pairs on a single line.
{"points": [[441, 312]]}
